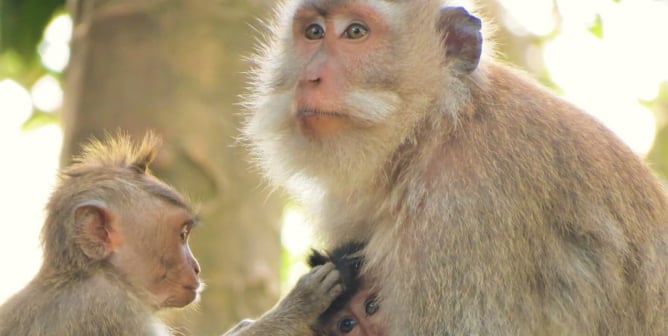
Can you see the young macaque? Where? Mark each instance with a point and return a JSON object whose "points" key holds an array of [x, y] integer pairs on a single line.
{"points": [[115, 247], [356, 311], [489, 205]]}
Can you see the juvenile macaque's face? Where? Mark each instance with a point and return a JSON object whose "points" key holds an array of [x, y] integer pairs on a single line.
{"points": [[359, 317], [155, 255]]}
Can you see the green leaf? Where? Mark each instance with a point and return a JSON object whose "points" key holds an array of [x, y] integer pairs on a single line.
{"points": [[597, 28], [11, 65]]}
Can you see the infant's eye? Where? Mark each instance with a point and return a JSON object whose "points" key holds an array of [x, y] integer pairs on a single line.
{"points": [[314, 32], [371, 306], [347, 325]]}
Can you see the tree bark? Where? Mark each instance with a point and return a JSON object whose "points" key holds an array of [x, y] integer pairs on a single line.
{"points": [[175, 66]]}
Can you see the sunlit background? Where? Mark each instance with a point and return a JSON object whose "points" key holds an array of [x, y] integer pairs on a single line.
{"points": [[606, 56]]}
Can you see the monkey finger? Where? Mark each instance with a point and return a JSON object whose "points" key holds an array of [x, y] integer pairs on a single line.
{"points": [[336, 290], [322, 271], [331, 279]]}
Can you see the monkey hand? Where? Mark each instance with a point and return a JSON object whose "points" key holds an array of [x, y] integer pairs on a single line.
{"points": [[314, 292]]}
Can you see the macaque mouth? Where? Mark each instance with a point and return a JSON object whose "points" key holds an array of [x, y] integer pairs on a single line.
{"points": [[315, 124], [193, 288], [306, 113]]}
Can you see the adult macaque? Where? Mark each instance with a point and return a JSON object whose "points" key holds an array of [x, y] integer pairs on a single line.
{"points": [[299, 310], [356, 311], [490, 206], [115, 246]]}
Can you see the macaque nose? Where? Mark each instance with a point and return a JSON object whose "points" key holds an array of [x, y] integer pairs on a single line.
{"points": [[196, 267], [312, 77], [315, 70], [193, 262]]}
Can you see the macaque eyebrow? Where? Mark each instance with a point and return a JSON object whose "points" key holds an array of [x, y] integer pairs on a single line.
{"points": [[194, 221], [169, 196], [321, 11], [317, 6]]}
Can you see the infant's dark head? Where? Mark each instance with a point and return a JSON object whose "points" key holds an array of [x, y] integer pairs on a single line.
{"points": [[354, 311]]}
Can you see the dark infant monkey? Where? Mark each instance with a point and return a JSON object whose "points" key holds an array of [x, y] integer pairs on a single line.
{"points": [[332, 299], [356, 311]]}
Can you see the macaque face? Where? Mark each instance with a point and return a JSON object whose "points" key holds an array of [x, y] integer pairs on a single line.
{"points": [[339, 46], [330, 103], [154, 254], [359, 317]]}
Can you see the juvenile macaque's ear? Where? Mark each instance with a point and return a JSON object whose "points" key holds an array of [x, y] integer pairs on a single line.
{"points": [[96, 234], [462, 38], [316, 258]]}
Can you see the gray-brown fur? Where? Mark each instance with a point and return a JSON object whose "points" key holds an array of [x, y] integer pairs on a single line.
{"points": [[490, 206]]}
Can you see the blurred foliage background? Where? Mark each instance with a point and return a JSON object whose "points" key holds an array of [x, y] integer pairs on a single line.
{"points": [[73, 69]]}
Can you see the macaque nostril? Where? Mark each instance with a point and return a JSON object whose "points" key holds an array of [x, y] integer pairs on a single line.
{"points": [[312, 80], [196, 267]]}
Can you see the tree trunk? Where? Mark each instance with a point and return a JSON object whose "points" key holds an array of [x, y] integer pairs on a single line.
{"points": [[176, 66]]}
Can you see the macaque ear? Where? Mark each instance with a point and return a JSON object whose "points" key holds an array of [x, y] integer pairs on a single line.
{"points": [[462, 38], [96, 234]]}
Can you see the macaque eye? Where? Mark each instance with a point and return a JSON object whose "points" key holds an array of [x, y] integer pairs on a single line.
{"points": [[371, 306], [347, 325], [185, 231], [356, 31], [314, 32]]}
